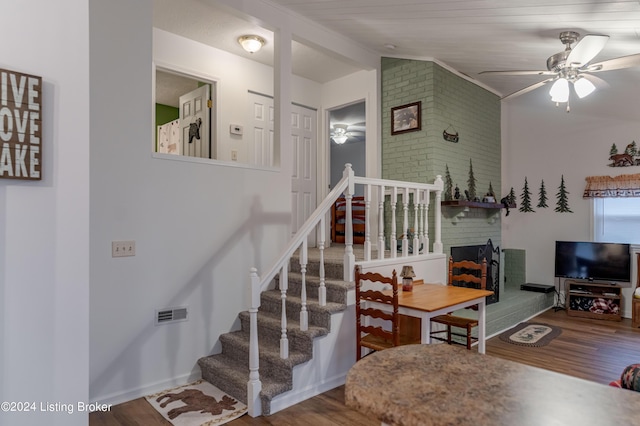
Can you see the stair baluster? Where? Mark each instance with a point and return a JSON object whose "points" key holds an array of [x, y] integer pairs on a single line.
{"points": [[304, 314], [405, 222], [367, 225], [322, 290], [416, 222], [349, 257], [394, 240], [381, 222], [284, 286], [437, 244], [254, 386], [425, 217]]}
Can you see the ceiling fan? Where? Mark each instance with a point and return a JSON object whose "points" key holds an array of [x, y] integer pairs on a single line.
{"points": [[340, 133], [572, 67]]}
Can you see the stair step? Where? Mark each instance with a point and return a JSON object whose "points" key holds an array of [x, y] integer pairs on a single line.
{"points": [[232, 375], [318, 315], [336, 289], [236, 345], [269, 327], [333, 269]]}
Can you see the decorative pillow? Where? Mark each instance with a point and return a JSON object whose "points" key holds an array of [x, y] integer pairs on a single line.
{"points": [[630, 378]]}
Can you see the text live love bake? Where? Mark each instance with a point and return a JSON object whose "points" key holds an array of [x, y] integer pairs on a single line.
{"points": [[20, 125]]}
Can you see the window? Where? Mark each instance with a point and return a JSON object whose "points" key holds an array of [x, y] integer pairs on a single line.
{"points": [[616, 219]]}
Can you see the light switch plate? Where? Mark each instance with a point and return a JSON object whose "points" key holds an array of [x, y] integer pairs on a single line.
{"points": [[123, 248]]}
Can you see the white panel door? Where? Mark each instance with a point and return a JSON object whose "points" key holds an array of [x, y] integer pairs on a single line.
{"points": [[303, 179], [262, 118], [303, 134], [195, 124]]}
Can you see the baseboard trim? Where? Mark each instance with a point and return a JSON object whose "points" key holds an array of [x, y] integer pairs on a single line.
{"points": [[294, 397], [149, 389]]}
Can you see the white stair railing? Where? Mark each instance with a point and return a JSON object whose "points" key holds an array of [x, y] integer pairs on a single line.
{"points": [[418, 194]]}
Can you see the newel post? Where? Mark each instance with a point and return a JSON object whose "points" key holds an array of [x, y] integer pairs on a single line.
{"points": [[437, 244], [349, 257], [254, 386]]}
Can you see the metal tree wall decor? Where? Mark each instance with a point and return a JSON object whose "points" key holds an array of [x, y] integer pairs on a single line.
{"points": [[448, 184], [471, 182], [509, 201], [562, 205], [526, 198], [542, 196]]}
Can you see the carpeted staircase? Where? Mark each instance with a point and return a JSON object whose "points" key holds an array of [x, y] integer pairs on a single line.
{"points": [[229, 370]]}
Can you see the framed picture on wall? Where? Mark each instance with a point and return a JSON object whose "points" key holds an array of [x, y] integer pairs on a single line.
{"points": [[406, 118]]}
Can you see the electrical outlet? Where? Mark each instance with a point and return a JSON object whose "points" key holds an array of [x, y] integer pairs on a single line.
{"points": [[234, 155], [123, 248]]}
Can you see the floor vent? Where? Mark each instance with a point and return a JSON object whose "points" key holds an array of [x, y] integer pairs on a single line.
{"points": [[169, 315]]}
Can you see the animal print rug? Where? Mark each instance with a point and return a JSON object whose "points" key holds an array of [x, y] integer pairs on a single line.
{"points": [[197, 404]]}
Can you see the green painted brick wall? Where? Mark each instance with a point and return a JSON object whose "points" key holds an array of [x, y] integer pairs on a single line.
{"points": [[515, 264], [450, 103]]}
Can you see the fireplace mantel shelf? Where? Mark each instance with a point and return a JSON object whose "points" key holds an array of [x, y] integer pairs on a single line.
{"points": [[462, 207], [474, 204]]}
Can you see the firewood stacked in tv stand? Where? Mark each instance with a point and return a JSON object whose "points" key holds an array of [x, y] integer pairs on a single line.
{"points": [[582, 294]]}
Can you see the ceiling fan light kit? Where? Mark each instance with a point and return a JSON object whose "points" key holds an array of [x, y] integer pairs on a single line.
{"points": [[583, 87], [573, 66], [560, 90]]}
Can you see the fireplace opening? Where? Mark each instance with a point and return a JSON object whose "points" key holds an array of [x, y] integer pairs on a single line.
{"points": [[476, 253]]}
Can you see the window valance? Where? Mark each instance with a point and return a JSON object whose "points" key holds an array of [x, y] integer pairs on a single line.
{"points": [[607, 186]]}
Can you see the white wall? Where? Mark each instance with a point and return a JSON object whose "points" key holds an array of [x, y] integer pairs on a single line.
{"points": [[44, 226], [541, 141]]}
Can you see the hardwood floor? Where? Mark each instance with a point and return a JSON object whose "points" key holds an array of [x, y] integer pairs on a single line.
{"points": [[594, 350]]}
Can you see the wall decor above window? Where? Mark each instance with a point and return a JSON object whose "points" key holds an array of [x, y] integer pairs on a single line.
{"points": [[630, 156], [406, 118]]}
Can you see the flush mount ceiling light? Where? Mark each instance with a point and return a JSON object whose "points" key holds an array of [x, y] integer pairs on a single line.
{"points": [[340, 133], [251, 43]]}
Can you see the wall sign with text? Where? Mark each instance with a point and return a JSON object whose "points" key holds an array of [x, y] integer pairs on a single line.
{"points": [[20, 125]]}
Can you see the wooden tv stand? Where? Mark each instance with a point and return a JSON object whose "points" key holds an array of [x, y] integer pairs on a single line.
{"points": [[581, 294]]}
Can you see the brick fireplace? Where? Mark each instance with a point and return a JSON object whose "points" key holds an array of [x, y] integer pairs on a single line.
{"points": [[478, 252]]}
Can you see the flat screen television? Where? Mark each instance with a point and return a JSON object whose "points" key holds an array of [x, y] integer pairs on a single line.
{"points": [[593, 261]]}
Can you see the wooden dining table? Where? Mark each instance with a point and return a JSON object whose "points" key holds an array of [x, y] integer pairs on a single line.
{"points": [[426, 301]]}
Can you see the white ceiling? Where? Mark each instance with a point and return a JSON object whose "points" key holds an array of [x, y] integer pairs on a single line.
{"points": [[469, 36]]}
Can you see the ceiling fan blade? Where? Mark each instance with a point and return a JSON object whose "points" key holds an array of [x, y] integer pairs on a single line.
{"points": [[615, 64], [523, 72], [528, 89], [586, 49]]}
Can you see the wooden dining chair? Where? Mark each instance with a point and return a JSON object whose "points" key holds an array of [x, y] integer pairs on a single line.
{"points": [[377, 329], [468, 272]]}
